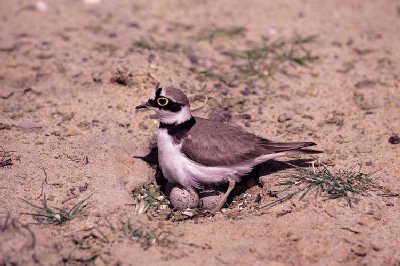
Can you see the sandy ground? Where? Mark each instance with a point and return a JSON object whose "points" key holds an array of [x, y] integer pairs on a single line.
{"points": [[71, 74]]}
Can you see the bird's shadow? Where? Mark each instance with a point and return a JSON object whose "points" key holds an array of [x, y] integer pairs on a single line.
{"points": [[263, 169]]}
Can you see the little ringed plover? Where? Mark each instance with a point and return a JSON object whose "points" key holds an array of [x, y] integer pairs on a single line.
{"points": [[194, 151]]}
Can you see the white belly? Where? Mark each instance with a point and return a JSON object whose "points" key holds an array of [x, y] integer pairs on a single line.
{"points": [[177, 168]]}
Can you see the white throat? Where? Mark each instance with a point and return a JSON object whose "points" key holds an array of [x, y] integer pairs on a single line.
{"points": [[174, 118]]}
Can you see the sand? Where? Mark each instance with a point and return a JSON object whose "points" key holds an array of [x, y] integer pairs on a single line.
{"points": [[72, 72]]}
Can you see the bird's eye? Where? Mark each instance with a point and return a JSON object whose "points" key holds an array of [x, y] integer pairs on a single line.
{"points": [[162, 101]]}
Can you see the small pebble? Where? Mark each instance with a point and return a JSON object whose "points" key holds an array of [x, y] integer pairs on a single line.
{"points": [[248, 91], [97, 78], [133, 24], [6, 92], [160, 198], [365, 84], [246, 116], [193, 59], [41, 6], [284, 117], [29, 125], [258, 198], [4, 126], [394, 139], [368, 163], [84, 187], [57, 217]]}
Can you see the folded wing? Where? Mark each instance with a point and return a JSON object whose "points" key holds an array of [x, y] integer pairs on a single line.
{"points": [[212, 143]]}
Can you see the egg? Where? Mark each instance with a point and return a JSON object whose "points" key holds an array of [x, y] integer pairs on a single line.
{"points": [[180, 198], [209, 199]]}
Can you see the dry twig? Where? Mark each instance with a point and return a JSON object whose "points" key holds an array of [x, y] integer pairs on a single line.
{"points": [[5, 157]]}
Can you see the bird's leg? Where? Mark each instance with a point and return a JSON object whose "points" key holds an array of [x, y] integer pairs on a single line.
{"points": [[222, 201]]}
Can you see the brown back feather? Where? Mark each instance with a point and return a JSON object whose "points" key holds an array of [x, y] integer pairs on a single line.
{"points": [[213, 143]]}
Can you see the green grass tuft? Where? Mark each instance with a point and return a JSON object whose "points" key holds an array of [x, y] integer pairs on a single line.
{"points": [[322, 182], [143, 44], [211, 34], [148, 197], [152, 44], [146, 238], [55, 215], [105, 47], [269, 57]]}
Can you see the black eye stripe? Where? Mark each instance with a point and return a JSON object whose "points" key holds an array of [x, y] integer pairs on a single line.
{"points": [[174, 107], [171, 106]]}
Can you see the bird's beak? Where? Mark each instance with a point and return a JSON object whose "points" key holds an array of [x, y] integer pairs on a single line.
{"points": [[143, 106]]}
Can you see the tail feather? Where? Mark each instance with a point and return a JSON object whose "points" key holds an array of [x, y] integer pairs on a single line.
{"points": [[304, 151], [286, 146]]}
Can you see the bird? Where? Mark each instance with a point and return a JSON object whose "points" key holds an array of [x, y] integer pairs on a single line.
{"points": [[195, 152]]}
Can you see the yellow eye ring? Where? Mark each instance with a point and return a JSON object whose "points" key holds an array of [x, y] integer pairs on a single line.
{"points": [[162, 101]]}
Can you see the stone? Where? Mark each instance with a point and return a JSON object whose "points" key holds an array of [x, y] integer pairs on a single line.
{"points": [[394, 139], [284, 117]]}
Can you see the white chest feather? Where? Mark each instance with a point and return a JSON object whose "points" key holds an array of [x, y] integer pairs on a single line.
{"points": [[177, 168], [169, 156]]}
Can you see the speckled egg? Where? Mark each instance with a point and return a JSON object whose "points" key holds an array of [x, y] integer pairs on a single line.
{"points": [[209, 199], [180, 198]]}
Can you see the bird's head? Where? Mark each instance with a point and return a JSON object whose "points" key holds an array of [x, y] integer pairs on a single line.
{"points": [[171, 105]]}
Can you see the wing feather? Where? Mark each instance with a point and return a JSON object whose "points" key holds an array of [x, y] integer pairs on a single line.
{"points": [[213, 143]]}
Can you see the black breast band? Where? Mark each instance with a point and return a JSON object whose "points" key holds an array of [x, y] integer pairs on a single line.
{"points": [[179, 131]]}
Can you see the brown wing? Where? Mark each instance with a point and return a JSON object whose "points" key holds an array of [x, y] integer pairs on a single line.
{"points": [[214, 143]]}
